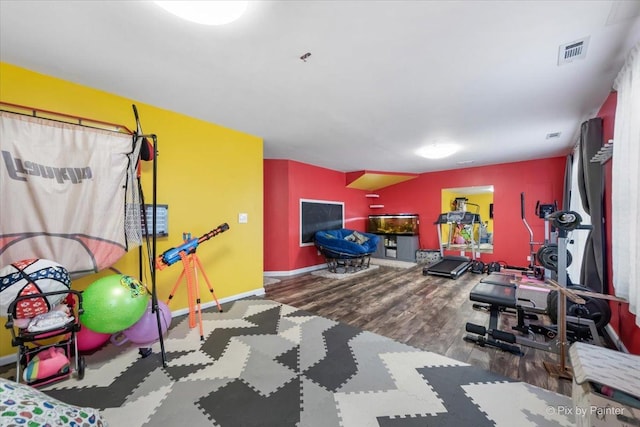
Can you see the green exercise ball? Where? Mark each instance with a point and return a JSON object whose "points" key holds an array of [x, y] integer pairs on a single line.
{"points": [[113, 303]]}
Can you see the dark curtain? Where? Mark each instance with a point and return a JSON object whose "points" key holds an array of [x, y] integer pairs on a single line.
{"points": [[590, 183], [566, 195]]}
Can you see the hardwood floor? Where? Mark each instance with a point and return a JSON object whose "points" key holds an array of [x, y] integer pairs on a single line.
{"points": [[426, 312]]}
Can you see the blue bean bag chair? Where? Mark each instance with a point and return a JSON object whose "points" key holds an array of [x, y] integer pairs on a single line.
{"points": [[346, 248]]}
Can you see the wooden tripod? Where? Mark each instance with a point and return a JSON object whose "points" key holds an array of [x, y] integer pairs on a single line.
{"points": [[190, 265]]}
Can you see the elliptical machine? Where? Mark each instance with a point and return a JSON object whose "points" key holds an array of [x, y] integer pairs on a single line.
{"points": [[543, 211]]}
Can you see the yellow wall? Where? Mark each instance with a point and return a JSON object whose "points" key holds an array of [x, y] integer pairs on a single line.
{"points": [[483, 200], [207, 174], [447, 205]]}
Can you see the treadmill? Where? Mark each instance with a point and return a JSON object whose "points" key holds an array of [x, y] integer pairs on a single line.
{"points": [[450, 265]]}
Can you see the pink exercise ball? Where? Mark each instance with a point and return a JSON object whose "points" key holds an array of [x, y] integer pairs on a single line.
{"points": [[89, 340], [145, 330]]}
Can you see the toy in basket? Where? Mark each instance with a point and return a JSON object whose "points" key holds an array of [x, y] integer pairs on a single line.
{"points": [[30, 277], [43, 320]]}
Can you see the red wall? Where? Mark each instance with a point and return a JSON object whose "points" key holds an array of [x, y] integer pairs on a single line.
{"points": [[276, 215], [285, 183], [621, 319], [538, 179]]}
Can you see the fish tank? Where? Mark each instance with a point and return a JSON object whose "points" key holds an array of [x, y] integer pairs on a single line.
{"points": [[405, 224]]}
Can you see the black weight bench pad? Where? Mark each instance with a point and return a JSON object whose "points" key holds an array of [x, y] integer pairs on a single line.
{"points": [[499, 279], [490, 293]]}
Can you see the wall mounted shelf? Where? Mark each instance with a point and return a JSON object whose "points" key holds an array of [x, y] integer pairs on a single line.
{"points": [[604, 154], [374, 196]]}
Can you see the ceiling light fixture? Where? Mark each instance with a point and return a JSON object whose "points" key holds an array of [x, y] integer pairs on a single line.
{"points": [[205, 12], [438, 151]]}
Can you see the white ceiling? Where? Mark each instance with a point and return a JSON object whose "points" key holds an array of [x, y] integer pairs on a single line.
{"points": [[383, 78]]}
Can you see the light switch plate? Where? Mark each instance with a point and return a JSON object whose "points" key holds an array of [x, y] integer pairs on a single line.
{"points": [[243, 218]]}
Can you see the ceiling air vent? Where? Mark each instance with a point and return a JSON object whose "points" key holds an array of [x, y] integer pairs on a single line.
{"points": [[553, 135], [573, 51]]}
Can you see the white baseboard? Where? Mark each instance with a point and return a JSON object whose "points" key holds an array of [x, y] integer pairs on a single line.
{"points": [[11, 358], [255, 292], [378, 261], [392, 263], [294, 272], [8, 359]]}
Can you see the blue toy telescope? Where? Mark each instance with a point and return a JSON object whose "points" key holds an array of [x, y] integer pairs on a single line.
{"points": [[171, 256]]}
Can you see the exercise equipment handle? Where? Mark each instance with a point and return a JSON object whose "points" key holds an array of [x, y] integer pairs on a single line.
{"points": [[503, 336], [475, 329], [524, 219]]}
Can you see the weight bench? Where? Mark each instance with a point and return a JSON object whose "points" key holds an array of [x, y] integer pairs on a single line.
{"points": [[498, 297], [496, 294]]}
